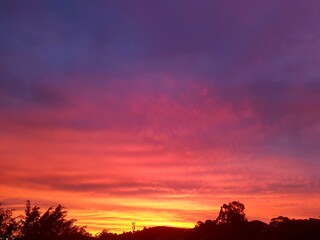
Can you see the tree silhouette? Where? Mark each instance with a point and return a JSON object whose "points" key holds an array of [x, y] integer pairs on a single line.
{"points": [[51, 225], [8, 224], [30, 223], [231, 213], [230, 224], [105, 235], [279, 220]]}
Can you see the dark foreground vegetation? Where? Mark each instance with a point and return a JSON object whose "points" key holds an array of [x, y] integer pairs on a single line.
{"points": [[231, 224]]}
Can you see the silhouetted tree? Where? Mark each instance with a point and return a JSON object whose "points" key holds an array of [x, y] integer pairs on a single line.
{"points": [[105, 235], [231, 224], [199, 224], [279, 220], [284, 228], [52, 225], [8, 224], [30, 223], [231, 213]]}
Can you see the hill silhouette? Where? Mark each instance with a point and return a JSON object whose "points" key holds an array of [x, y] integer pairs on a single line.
{"points": [[231, 224]]}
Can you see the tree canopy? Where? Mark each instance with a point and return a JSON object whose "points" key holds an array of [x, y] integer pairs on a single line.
{"points": [[231, 213], [8, 224]]}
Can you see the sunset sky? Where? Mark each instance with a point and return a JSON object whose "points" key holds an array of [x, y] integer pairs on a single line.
{"points": [[160, 111]]}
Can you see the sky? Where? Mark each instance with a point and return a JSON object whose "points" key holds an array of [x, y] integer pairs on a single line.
{"points": [[159, 112]]}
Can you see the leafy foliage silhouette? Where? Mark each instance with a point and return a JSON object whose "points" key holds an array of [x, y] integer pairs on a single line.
{"points": [[51, 225], [231, 224], [8, 224], [231, 213]]}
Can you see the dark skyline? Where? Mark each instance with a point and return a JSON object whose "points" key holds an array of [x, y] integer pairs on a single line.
{"points": [[160, 111]]}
